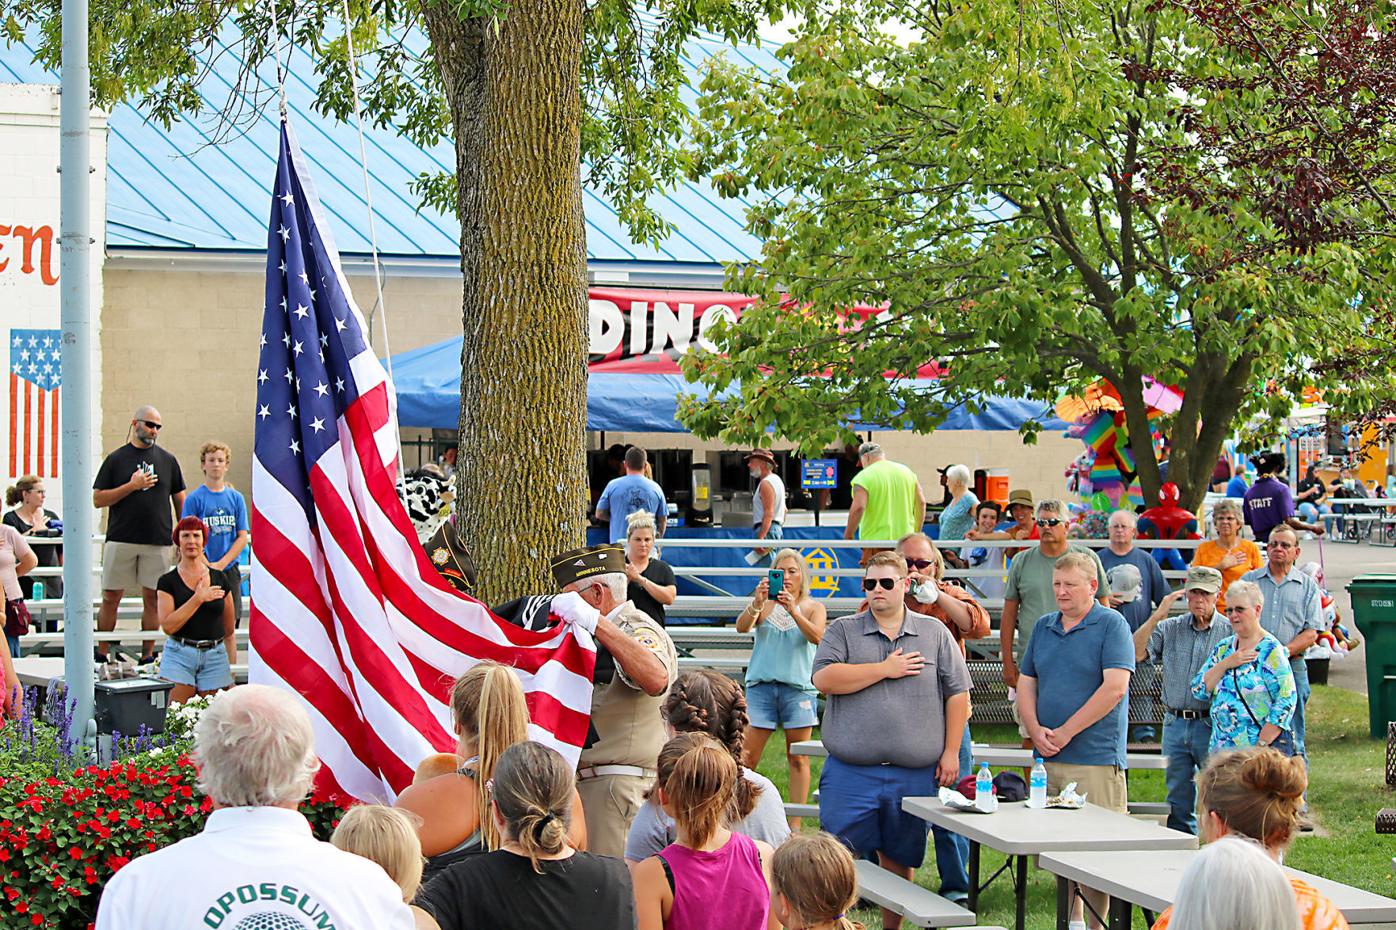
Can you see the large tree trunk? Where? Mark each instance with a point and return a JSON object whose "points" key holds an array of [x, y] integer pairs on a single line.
{"points": [[513, 86]]}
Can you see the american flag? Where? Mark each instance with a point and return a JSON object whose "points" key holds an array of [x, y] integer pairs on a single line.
{"points": [[35, 379], [347, 611]]}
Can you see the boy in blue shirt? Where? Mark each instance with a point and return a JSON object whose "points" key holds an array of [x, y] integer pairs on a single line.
{"points": [[224, 511]]}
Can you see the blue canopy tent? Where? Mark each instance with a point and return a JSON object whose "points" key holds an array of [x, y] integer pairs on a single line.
{"points": [[428, 397]]}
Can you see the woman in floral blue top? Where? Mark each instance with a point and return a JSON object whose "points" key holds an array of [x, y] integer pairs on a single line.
{"points": [[1248, 680]]}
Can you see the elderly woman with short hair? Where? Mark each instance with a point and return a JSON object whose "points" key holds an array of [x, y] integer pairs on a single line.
{"points": [[1248, 680], [1228, 553], [958, 515]]}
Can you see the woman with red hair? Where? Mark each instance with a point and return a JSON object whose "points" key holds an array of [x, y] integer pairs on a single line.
{"points": [[196, 614]]}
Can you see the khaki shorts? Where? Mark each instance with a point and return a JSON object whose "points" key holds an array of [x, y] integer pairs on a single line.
{"points": [[131, 565], [1104, 785]]}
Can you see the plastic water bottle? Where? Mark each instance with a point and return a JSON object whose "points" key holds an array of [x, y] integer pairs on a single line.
{"points": [[984, 788], [39, 590], [1037, 787]]}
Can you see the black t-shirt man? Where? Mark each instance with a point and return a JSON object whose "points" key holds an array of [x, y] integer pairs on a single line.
{"points": [[142, 517]]}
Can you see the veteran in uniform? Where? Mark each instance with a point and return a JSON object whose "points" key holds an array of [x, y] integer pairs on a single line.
{"points": [[635, 665]]}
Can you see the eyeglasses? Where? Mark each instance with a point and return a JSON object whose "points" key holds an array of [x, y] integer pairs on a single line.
{"points": [[150, 424], [1051, 521], [920, 564], [1281, 545], [887, 583]]}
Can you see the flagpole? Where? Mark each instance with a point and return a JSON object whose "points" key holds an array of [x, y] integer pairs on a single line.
{"points": [[75, 236]]}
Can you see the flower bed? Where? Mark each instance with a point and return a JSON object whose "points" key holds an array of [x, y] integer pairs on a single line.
{"points": [[67, 826]]}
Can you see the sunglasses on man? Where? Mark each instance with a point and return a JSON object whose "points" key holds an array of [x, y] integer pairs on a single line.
{"points": [[919, 565], [150, 424], [1050, 521], [887, 583]]}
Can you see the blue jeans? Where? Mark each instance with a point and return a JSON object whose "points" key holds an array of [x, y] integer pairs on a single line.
{"points": [[13, 643], [1301, 685], [952, 850], [1309, 513], [1185, 745]]}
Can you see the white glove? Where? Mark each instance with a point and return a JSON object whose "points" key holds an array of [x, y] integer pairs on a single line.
{"points": [[572, 609]]}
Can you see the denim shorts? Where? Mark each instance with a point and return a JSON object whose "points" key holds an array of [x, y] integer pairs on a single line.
{"points": [[862, 806], [773, 705], [205, 669]]}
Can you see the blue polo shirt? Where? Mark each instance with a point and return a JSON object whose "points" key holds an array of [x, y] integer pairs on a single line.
{"points": [[1069, 668]]}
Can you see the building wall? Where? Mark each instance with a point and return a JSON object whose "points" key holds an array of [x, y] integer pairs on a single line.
{"points": [[187, 342]]}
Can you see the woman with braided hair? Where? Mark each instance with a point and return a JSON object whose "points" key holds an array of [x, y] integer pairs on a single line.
{"points": [[536, 879], [709, 702]]}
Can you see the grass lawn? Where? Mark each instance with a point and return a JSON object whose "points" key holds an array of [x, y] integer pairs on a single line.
{"points": [[1346, 790]]}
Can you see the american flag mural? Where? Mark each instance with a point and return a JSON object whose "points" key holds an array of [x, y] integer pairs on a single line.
{"points": [[35, 378], [347, 611]]}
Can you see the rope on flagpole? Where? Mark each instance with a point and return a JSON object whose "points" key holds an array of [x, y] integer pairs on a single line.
{"points": [[276, 56], [380, 308], [368, 191]]}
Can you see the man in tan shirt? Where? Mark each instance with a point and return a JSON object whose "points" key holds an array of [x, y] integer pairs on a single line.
{"points": [[635, 664]]}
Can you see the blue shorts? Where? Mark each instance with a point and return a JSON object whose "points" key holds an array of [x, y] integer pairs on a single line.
{"points": [[205, 669], [773, 705], [862, 806]]}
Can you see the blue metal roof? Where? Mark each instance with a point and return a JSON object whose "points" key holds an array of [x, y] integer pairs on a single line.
{"points": [[175, 190]]}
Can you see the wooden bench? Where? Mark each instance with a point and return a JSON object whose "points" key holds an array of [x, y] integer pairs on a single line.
{"points": [[919, 906]]}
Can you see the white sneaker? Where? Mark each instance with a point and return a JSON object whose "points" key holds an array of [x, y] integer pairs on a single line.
{"points": [[1076, 925]]}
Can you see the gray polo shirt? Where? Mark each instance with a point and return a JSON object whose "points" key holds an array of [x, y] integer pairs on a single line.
{"points": [[898, 721], [1183, 648], [1291, 606]]}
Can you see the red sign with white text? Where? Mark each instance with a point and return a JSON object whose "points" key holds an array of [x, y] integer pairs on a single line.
{"points": [[646, 331]]}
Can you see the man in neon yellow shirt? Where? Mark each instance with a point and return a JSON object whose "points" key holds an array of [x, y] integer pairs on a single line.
{"points": [[888, 501]]}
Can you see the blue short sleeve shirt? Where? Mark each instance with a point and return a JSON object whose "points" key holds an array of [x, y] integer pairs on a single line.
{"points": [[1069, 667]]}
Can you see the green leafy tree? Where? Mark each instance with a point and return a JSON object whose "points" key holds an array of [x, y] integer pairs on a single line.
{"points": [[1004, 185], [529, 92]]}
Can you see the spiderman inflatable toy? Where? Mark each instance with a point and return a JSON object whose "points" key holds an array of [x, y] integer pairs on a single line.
{"points": [[1168, 521]]}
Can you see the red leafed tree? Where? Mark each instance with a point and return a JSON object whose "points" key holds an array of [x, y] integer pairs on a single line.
{"points": [[1299, 115]]}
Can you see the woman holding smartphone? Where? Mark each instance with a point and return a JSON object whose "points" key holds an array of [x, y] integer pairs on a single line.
{"points": [[789, 625]]}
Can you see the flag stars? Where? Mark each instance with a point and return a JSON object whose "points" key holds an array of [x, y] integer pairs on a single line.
{"points": [[339, 325], [298, 348], [284, 233], [263, 411], [262, 376], [302, 311], [292, 411], [324, 341], [289, 376], [322, 389], [283, 267], [339, 385], [305, 278], [286, 339], [263, 343], [295, 447], [287, 199], [317, 424]]}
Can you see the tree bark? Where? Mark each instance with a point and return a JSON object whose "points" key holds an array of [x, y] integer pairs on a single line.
{"points": [[514, 89]]}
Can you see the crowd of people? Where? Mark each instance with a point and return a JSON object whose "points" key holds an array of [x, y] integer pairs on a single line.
{"points": [[665, 823]]}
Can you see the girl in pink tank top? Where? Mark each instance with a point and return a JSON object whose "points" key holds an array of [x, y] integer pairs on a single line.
{"points": [[710, 878]]}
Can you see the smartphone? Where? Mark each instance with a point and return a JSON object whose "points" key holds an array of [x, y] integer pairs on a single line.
{"points": [[775, 581]]}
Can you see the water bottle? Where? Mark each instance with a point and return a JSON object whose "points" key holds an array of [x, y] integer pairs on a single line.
{"points": [[1037, 787], [39, 590], [984, 788]]}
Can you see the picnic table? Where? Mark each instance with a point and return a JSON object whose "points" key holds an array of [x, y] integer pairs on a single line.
{"points": [[999, 756], [1021, 832], [1149, 878]]}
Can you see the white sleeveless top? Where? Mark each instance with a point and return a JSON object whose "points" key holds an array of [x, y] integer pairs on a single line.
{"points": [[758, 509]]}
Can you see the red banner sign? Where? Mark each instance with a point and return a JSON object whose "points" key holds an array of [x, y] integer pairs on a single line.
{"points": [[635, 330]]}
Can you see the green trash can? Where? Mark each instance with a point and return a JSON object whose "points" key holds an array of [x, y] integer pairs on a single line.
{"points": [[1374, 611]]}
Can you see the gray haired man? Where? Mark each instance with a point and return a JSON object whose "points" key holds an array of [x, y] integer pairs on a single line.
{"points": [[256, 862], [1182, 644]]}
